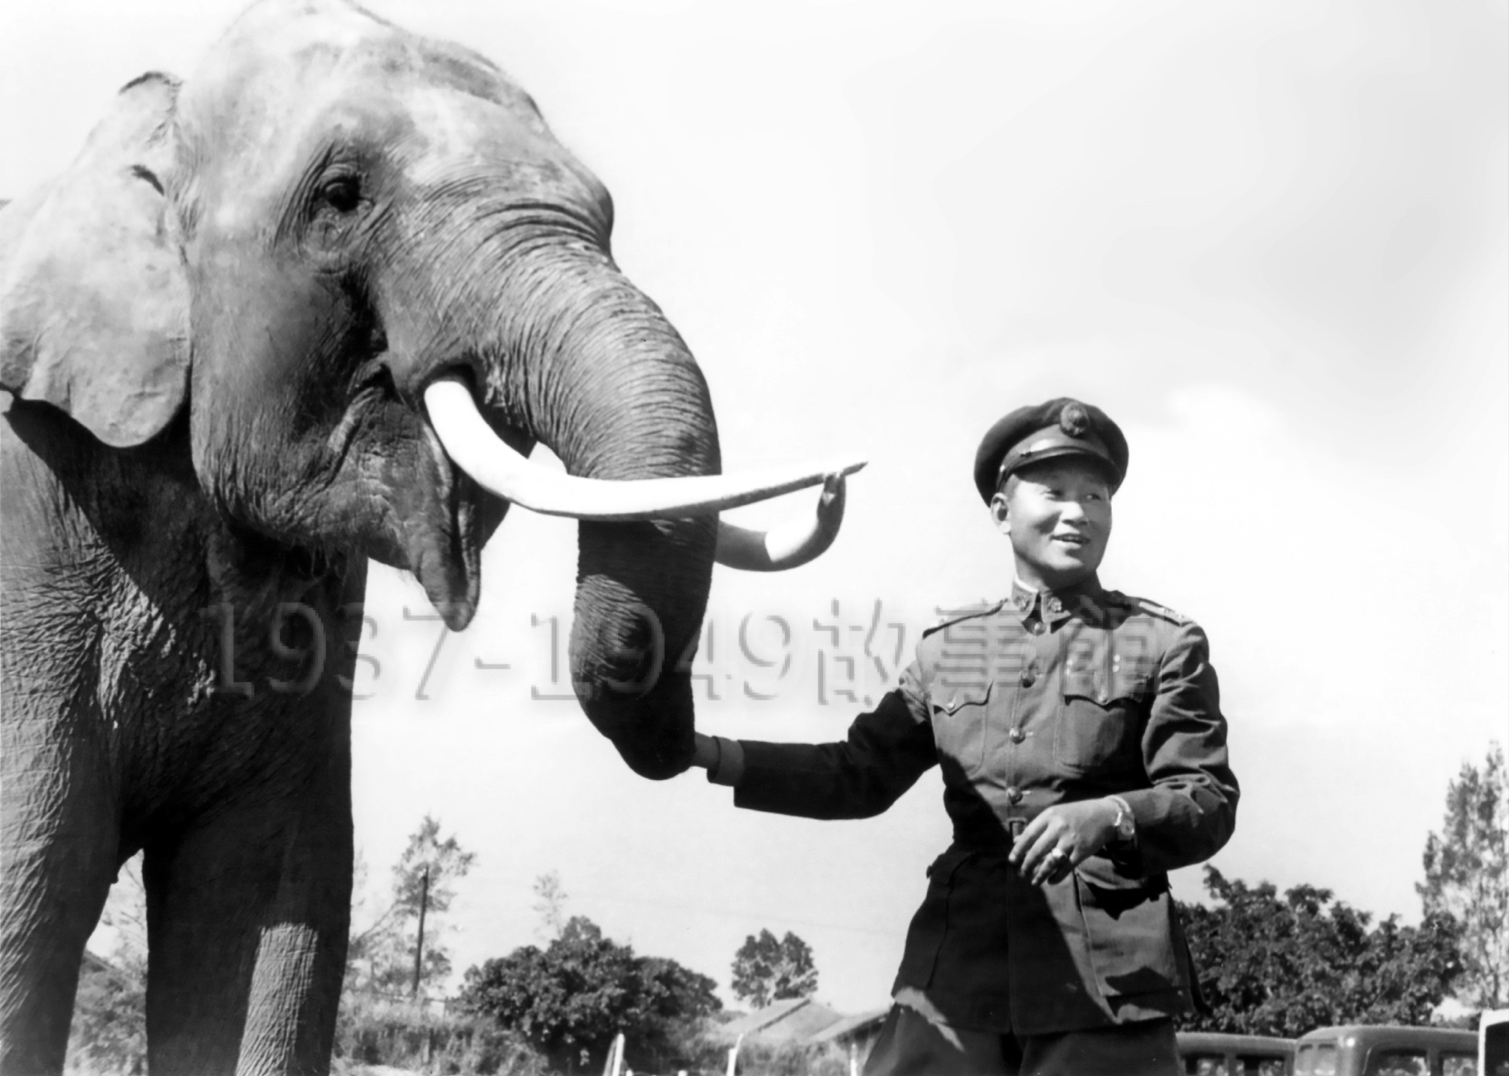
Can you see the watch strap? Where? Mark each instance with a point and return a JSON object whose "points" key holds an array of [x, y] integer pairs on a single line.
{"points": [[1126, 823]]}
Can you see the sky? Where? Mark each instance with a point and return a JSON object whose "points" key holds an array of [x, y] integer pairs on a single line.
{"points": [[1269, 238]]}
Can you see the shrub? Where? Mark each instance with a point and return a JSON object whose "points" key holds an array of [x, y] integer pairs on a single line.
{"points": [[790, 1059], [376, 1031]]}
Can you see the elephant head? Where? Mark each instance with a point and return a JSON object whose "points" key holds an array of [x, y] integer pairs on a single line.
{"points": [[354, 271]]}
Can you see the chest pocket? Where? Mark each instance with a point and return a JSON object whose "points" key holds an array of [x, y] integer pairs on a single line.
{"points": [[959, 718], [1099, 727]]}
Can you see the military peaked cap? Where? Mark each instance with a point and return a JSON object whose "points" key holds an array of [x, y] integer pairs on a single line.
{"points": [[1061, 427]]}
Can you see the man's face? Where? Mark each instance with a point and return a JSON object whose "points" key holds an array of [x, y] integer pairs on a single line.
{"points": [[1058, 517]]}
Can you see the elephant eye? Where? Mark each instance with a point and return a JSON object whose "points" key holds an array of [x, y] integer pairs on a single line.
{"points": [[342, 194]]}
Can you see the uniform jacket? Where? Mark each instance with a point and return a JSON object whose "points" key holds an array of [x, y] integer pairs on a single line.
{"points": [[1036, 700]]}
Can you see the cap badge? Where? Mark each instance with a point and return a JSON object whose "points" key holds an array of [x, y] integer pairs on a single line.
{"points": [[1073, 420]]}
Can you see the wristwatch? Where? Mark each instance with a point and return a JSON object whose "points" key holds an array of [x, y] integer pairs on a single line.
{"points": [[1125, 825]]}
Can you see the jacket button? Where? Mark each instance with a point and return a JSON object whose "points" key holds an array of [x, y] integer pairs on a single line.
{"points": [[1029, 677], [1037, 627], [1017, 735], [1013, 795]]}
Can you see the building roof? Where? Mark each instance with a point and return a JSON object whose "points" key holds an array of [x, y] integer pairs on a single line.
{"points": [[790, 1020], [851, 1025]]}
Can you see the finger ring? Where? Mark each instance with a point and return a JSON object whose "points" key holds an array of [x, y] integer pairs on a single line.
{"points": [[1058, 853]]}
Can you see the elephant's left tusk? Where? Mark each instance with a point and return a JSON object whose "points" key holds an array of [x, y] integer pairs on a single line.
{"points": [[472, 446], [790, 545]]}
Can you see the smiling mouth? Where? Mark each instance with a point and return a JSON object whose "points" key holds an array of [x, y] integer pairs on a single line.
{"points": [[1072, 539]]}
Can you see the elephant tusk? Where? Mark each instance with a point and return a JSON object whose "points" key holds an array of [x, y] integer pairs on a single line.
{"points": [[789, 545], [472, 446]]}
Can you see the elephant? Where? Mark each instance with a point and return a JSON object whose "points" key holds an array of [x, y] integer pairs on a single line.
{"points": [[312, 305]]}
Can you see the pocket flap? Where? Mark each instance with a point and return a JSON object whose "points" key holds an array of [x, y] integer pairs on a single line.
{"points": [[1104, 884], [1105, 688], [951, 697]]}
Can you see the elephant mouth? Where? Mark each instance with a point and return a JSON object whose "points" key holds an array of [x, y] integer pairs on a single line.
{"points": [[431, 517], [443, 543]]}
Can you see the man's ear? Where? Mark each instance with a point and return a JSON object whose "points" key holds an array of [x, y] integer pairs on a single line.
{"points": [[94, 305], [1001, 513]]}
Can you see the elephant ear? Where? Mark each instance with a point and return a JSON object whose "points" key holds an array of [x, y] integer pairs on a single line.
{"points": [[94, 306]]}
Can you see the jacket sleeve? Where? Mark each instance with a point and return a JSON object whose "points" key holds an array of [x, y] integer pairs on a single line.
{"points": [[887, 749], [1189, 811]]}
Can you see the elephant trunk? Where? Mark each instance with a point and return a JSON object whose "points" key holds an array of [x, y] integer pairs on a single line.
{"points": [[619, 397], [588, 365]]}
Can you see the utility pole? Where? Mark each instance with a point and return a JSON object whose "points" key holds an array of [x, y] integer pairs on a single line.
{"points": [[424, 900]]}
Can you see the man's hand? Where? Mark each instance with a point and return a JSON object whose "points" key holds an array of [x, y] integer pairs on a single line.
{"points": [[1063, 837]]}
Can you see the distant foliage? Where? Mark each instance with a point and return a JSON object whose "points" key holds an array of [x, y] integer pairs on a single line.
{"points": [[790, 1059], [108, 1036], [767, 970], [1272, 965], [371, 1032], [1467, 877], [380, 954], [570, 999]]}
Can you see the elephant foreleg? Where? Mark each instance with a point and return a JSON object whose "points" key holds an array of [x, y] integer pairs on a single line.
{"points": [[247, 916], [58, 856]]}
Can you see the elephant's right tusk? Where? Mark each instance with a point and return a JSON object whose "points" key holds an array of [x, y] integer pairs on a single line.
{"points": [[472, 446], [789, 545]]}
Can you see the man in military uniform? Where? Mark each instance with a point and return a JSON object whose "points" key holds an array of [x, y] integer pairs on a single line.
{"points": [[1083, 754]]}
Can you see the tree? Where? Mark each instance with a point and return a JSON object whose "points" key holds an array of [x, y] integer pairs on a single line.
{"points": [[767, 970], [1272, 965], [381, 955], [365, 926], [551, 907], [571, 998], [1467, 876]]}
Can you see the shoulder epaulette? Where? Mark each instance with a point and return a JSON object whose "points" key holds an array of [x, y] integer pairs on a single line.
{"points": [[955, 616], [1157, 610]]}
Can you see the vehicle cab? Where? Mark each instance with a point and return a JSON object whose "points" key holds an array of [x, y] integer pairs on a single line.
{"points": [[1493, 1043], [1210, 1053], [1365, 1050]]}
